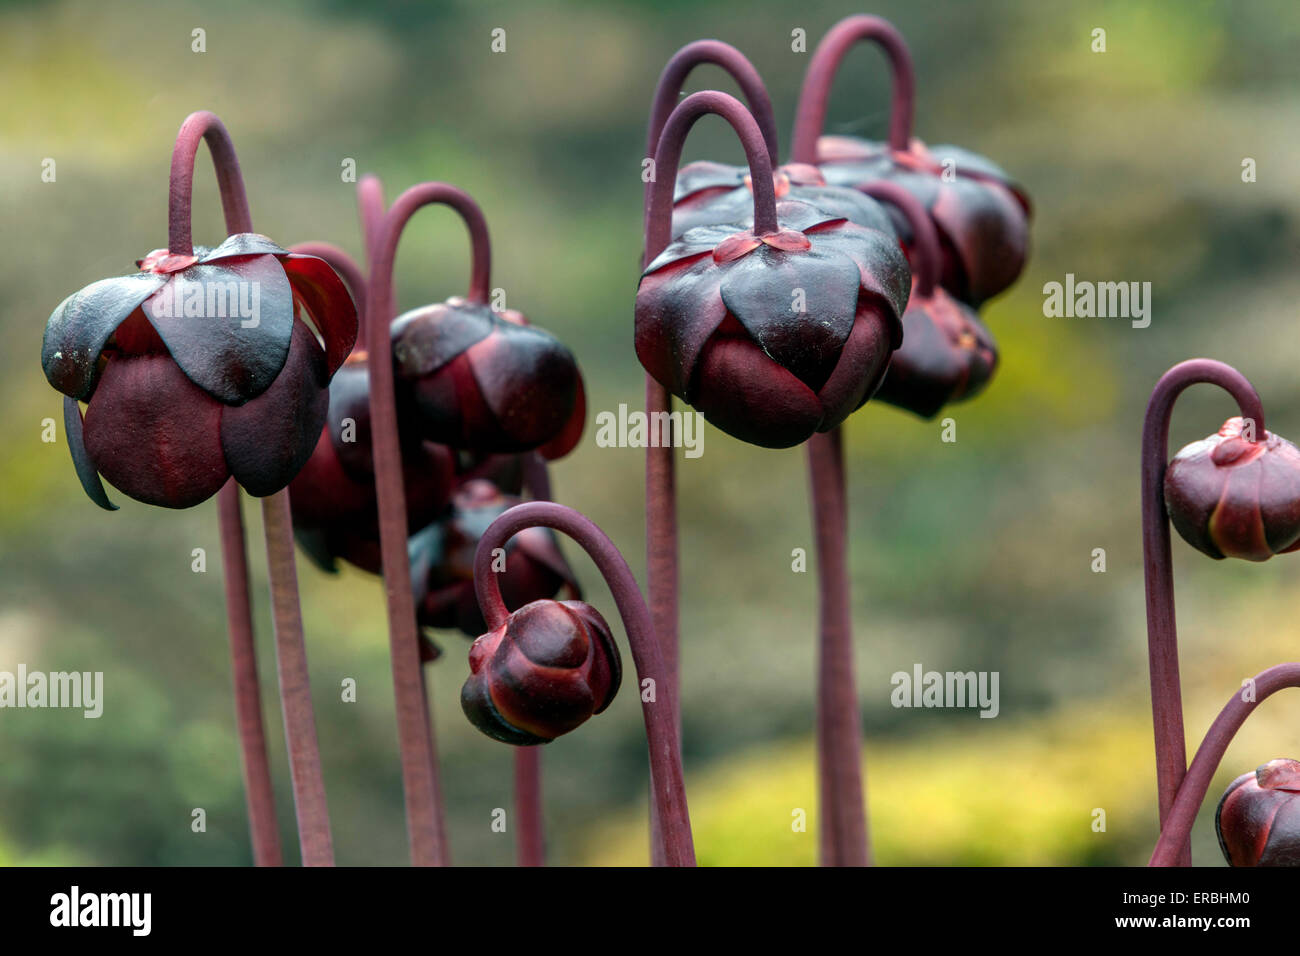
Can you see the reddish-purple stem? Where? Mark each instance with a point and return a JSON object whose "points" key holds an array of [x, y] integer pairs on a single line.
{"points": [[1176, 830], [926, 252], [810, 117], [660, 484], [662, 736], [669, 89], [422, 789], [259, 794], [1162, 630]]}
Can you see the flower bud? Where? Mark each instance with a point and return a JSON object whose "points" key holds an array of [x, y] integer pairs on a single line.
{"points": [[1258, 818], [1229, 496], [552, 665]]}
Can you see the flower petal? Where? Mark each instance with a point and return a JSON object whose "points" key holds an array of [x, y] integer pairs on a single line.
{"points": [[326, 298], [529, 381], [227, 325], [267, 440], [677, 309], [77, 330], [427, 338], [73, 426], [243, 244]]}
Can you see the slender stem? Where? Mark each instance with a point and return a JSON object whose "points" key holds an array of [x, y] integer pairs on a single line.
{"points": [[1177, 829], [810, 117], [1162, 629], [668, 155], [258, 791], [926, 251], [422, 789], [842, 821], [659, 712], [370, 205], [259, 794], [347, 268], [673, 77], [295, 686]]}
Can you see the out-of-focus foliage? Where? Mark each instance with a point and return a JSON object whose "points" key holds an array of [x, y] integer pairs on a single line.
{"points": [[974, 555]]}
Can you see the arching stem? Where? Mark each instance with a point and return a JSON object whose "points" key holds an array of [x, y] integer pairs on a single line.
{"points": [[258, 791], [422, 789], [662, 737], [810, 117], [660, 483], [1162, 630], [1176, 830], [926, 252]]}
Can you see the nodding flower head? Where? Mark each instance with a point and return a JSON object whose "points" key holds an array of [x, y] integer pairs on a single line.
{"points": [[333, 498], [488, 381], [199, 367], [544, 672], [1258, 818], [982, 216], [532, 566], [773, 337], [1229, 496]]}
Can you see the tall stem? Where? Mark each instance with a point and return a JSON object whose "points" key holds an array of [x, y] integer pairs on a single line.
{"points": [[810, 117], [258, 791], [416, 742], [1162, 630], [295, 686], [842, 823], [1176, 830], [659, 713], [662, 578]]}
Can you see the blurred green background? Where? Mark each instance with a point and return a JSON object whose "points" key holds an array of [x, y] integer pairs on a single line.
{"points": [[967, 556]]}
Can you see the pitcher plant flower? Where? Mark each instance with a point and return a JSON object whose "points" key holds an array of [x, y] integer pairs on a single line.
{"points": [[1258, 816]]}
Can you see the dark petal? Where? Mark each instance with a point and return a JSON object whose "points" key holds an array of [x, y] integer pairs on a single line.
{"points": [[760, 291], [699, 176], [476, 702], [733, 209], [541, 546], [540, 700], [1236, 524], [845, 203], [229, 361], [607, 670], [979, 167], [243, 244], [268, 440], [1193, 486], [882, 267], [449, 408], [323, 494], [802, 216], [748, 396], [677, 309], [1283, 848], [529, 381], [548, 635], [77, 330], [154, 434], [571, 434], [426, 339], [349, 418], [327, 300], [694, 242], [862, 364], [85, 468], [989, 231], [1280, 494]]}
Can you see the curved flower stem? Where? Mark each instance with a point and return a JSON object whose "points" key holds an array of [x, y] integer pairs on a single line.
{"points": [[810, 116], [926, 251], [1177, 828], [370, 205], [660, 484], [726, 56], [422, 790], [347, 268], [660, 713], [1162, 629], [259, 793]]}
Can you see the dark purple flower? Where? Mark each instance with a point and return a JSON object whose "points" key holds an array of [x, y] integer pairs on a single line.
{"points": [[1231, 497], [981, 215], [1258, 817], [488, 381], [333, 498], [199, 367], [550, 667], [442, 562], [778, 336]]}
